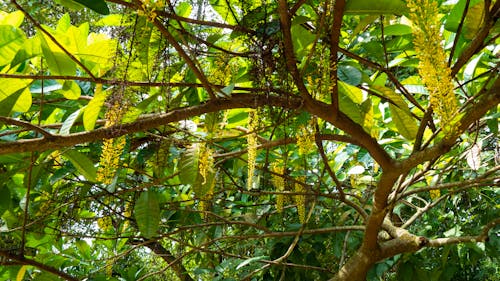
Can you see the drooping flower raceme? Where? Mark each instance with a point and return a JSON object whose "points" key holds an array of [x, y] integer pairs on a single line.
{"points": [[433, 67]]}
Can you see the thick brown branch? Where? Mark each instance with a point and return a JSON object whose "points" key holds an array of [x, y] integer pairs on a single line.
{"points": [[291, 62], [27, 125], [25, 261], [148, 122]]}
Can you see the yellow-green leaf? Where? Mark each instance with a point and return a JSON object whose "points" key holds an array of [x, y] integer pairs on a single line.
{"points": [[14, 18], [93, 108], [405, 123], [11, 40], [59, 62], [71, 90]]}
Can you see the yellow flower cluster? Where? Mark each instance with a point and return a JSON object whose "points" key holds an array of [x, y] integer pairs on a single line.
{"points": [[105, 223], [305, 139], [279, 183], [434, 193], [433, 67], [112, 148], [205, 161], [204, 203], [253, 122], [222, 70], [109, 266], [149, 7], [300, 200]]}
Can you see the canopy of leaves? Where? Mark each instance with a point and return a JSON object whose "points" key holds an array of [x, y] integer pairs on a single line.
{"points": [[125, 142]]}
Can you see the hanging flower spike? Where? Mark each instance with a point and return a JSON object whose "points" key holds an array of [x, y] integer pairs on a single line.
{"points": [[253, 119], [112, 148], [433, 67], [279, 184]]}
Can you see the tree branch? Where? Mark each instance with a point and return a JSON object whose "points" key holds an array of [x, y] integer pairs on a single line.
{"points": [[28, 125], [25, 261], [482, 237], [178, 268]]}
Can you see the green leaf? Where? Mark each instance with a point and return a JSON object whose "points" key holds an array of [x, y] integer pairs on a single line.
{"points": [[98, 6], [455, 16], [405, 123], [11, 41], [93, 108], [68, 123], [5, 199], [380, 7], [188, 165], [250, 260], [84, 249], [349, 74], [147, 213], [394, 30], [473, 20], [392, 96], [302, 40], [224, 10], [82, 163]]}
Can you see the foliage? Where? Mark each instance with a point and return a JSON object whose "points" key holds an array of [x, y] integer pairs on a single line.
{"points": [[249, 140]]}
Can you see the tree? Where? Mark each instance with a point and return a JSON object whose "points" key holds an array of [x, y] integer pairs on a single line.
{"points": [[249, 140]]}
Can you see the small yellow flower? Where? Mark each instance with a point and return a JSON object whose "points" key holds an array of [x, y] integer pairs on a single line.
{"points": [[434, 193]]}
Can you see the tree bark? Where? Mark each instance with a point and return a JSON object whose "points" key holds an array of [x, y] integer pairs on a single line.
{"points": [[357, 266]]}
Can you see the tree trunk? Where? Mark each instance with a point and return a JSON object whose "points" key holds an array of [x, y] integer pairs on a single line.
{"points": [[356, 268]]}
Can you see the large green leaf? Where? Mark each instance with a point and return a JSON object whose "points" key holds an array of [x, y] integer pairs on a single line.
{"points": [[68, 123], [147, 213], [361, 7], [82, 163], [350, 99], [405, 123], [188, 165], [302, 38], [473, 19], [392, 96], [11, 41], [349, 74], [98, 6]]}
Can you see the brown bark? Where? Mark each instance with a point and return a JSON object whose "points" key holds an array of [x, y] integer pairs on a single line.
{"points": [[357, 266]]}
